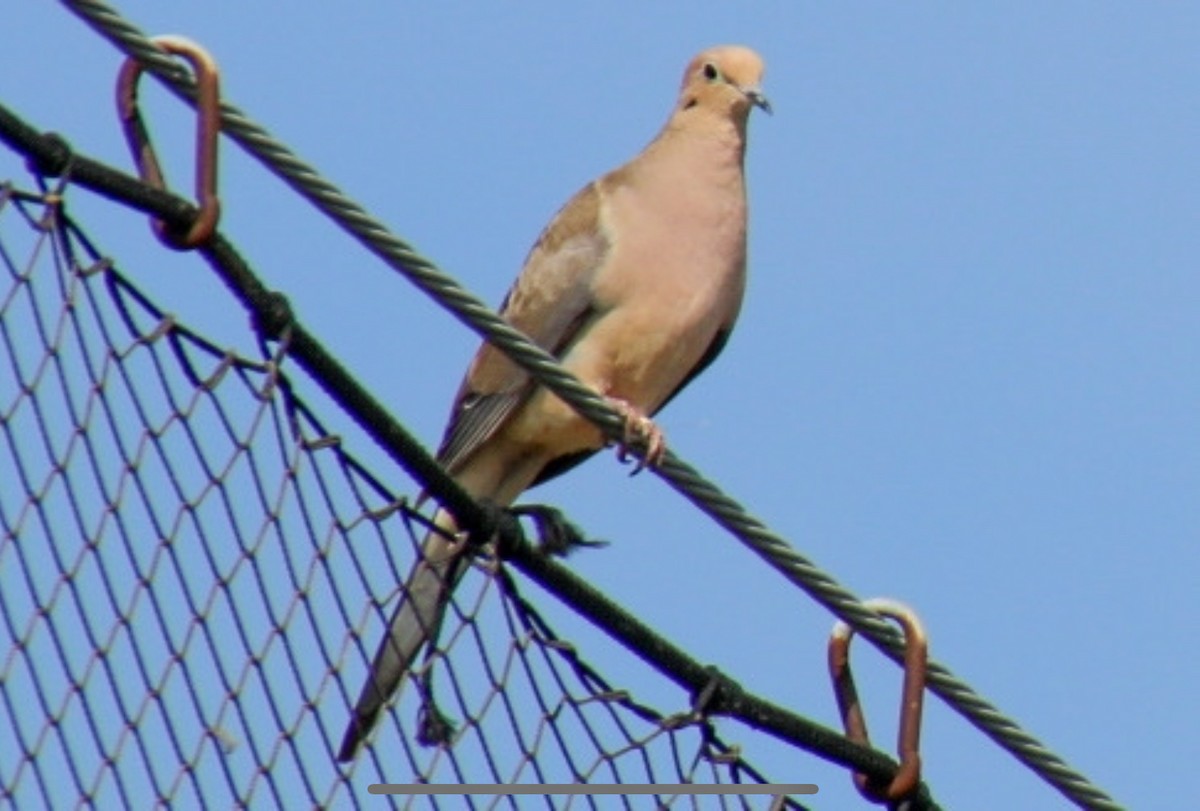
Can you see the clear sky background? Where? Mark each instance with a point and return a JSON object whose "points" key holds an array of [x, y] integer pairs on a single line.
{"points": [[966, 372]]}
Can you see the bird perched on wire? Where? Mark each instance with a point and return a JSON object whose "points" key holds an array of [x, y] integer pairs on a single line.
{"points": [[634, 286]]}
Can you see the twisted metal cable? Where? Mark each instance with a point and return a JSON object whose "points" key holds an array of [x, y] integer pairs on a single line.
{"points": [[480, 318]]}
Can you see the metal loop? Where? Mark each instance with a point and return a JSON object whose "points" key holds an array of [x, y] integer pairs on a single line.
{"points": [[208, 126], [908, 776]]}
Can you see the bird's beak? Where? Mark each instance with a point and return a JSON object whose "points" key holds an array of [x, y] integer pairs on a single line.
{"points": [[756, 97]]}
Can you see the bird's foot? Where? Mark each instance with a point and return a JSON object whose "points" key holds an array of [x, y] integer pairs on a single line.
{"points": [[639, 430], [556, 535]]}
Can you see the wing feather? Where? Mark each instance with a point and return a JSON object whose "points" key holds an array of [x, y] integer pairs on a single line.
{"points": [[551, 302]]}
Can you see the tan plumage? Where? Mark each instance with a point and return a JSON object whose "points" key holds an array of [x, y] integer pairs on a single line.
{"points": [[634, 285]]}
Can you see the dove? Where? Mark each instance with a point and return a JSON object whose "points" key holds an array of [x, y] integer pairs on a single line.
{"points": [[634, 286]]}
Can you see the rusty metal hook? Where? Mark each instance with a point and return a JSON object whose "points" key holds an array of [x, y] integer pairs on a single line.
{"points": [[908, 776], [208, 126]]}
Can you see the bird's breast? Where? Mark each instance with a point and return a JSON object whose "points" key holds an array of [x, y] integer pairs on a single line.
{"points": [[675, 276]]}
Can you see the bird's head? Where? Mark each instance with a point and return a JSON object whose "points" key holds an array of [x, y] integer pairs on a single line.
{"points": [[726, 79]]}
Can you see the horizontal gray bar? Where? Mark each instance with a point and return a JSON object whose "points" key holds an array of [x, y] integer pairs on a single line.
{"points": [[589, 788]]}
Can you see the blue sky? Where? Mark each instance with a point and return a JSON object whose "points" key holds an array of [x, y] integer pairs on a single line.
{"points": [[966, 371]]}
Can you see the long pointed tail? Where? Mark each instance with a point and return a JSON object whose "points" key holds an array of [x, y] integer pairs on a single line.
{"points": [[416, 622]]}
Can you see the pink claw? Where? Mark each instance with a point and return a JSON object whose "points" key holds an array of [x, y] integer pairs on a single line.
{"points": [[639, 429]]}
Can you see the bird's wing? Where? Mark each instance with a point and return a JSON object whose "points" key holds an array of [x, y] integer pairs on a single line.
{"points": [[551, 302]]}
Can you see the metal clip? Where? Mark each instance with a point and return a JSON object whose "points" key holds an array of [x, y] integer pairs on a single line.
{"points": [[208, 105], [908, 776]]}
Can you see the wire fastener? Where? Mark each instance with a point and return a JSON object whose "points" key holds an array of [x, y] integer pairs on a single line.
{"points": [[916, 653], [208, 127]]}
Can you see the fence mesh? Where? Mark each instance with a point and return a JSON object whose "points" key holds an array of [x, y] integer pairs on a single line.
{"points": [[194, 572]]}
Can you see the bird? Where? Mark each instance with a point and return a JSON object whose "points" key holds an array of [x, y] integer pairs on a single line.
{"points": [[634, 286]]}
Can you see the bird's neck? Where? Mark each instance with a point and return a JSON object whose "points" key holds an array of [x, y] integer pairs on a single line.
{"points": [[719, 141]]}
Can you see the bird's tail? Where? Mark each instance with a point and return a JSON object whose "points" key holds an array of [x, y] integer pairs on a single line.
{"points": [[416, 622]]}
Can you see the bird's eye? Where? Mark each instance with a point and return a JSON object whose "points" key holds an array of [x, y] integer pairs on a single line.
{"points": [[710, 72]]}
